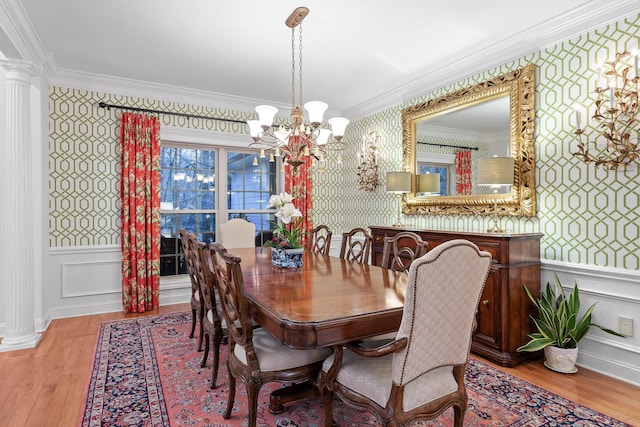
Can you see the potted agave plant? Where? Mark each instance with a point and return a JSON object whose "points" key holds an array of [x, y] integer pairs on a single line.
{"points": [[559, 326]]}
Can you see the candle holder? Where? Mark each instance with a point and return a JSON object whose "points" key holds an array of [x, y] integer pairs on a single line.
{"points": [[616, 115], [367, 170]]}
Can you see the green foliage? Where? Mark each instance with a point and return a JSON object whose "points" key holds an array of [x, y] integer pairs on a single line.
{"points": [[286, 236], [558, 322]]}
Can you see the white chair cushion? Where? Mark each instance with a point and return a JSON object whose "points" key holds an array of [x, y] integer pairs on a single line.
{"points": [[222, 321], [371, 377], [368, 376], [274, 356]]}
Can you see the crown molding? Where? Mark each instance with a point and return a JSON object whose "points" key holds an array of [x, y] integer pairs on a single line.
{"points": [[161, 92], [25, 42], [149, 90], [477, 60]]}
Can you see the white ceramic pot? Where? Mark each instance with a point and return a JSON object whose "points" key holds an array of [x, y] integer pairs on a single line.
{"points": [[561, 359]]}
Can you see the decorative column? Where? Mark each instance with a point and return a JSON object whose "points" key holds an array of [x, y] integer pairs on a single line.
{"points": [[17, 206]]}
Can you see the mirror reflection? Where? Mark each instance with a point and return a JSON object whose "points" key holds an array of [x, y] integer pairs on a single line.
{"points": [[448, 136], [481, 129]]}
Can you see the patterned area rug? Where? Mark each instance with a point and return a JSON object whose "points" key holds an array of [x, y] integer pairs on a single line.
{"points": [[147, 372]]}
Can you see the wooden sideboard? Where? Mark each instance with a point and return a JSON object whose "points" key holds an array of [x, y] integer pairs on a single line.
{"points": [[504, 309]]}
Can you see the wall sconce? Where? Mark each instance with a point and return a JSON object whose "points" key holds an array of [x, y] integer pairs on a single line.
{"points": [[616, 114], [399, 183], [428, 183], [367, 171], [495, 172]]}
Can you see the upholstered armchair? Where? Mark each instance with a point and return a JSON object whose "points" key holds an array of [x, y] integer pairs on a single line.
{"points": [[237, 233], [421, 373]]}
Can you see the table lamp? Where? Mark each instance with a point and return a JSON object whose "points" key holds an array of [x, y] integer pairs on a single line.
{"points": [[495, 172], [429, 183], [398, 183]]}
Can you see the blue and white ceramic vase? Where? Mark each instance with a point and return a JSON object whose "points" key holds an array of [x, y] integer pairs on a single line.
{"points": [[287, 258]]}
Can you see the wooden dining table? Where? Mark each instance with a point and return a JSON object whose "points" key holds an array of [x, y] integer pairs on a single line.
{"points": [[326, 302]]}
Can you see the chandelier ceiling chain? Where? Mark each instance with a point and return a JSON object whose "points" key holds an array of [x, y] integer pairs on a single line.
{"points": [[296, 140]]}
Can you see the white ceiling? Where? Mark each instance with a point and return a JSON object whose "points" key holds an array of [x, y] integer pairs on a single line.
{"points": [[357, 53]]}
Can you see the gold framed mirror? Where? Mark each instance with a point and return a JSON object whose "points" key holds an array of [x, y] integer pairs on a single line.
{"points": [[517, 90]]}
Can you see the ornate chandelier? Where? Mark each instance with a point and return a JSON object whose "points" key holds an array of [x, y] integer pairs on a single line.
{"points": [[616, 112], [296, 140]]}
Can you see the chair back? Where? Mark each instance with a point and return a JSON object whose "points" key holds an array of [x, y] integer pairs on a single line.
{"points": [[187, 242], [401, 250], [319, 240], [237, 233], [233, 299], [441, 300], [206, 278], [356, 246]]}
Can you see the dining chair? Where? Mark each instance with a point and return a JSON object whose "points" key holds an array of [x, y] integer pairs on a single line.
{"points": [[356, 245], [237, 233], [420, 373], [212, 325], [197, 306], [253, 354], [319, 240], [401, 250]]}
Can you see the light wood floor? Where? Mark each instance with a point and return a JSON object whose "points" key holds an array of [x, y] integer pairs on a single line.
{"points": [[45, 386]]}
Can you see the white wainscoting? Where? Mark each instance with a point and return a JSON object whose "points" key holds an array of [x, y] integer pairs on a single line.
{"points": [[616, 293], [87, 280]]}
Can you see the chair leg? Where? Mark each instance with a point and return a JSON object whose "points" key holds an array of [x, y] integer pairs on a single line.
{"points": [[327, 401], [201, 334], [206, 351], [458, 415], [232, 395], [193, 322], [253, 388], [217, 339]]}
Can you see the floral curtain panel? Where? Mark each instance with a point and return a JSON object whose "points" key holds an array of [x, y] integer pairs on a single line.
{"points": [[464, 185], [299, 185], [140, 214]]}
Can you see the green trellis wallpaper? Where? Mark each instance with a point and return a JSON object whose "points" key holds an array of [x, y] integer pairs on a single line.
{"points": [[587, 216]]}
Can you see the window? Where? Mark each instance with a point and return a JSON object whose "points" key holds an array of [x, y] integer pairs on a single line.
{"points": [[249, 187], [190, 196]]}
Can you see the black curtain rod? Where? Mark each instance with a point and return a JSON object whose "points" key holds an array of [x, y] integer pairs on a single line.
{"points": [[170, 113], [447, 145]]}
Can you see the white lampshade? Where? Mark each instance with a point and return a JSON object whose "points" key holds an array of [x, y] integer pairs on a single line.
{"points": [[254, 128], [338, 125], [496, 171], [398, 182], [315, 110], [323, 136], [429, 183], [266, 113]]}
